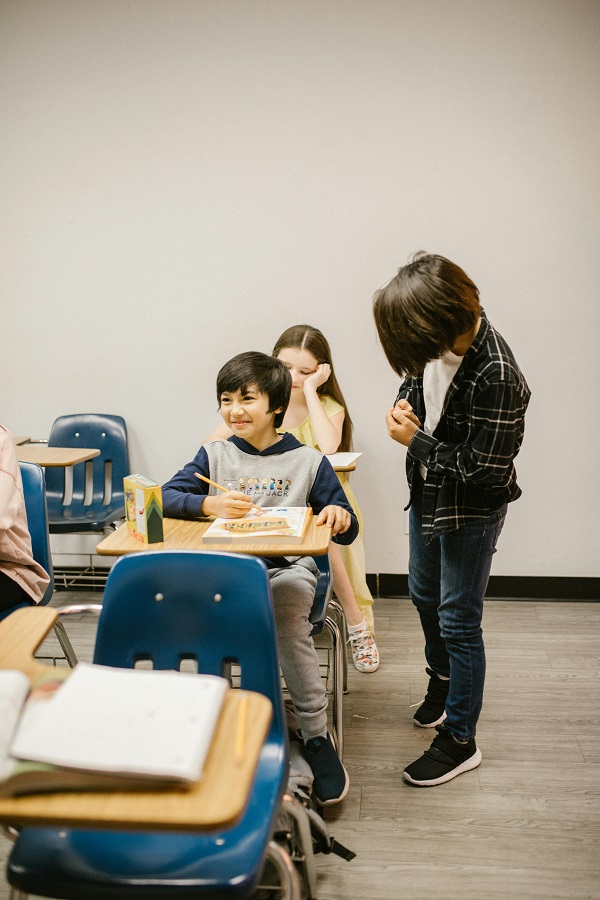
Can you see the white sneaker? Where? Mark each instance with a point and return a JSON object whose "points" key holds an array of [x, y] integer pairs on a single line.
{"points": [[364, 650]]}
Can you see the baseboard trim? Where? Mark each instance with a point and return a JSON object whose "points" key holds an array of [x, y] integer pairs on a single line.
{"points": [[505, 587], [500, 587]]}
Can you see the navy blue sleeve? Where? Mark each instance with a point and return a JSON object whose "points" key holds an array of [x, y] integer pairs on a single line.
{"points": [[327, 491], [184, 494]]}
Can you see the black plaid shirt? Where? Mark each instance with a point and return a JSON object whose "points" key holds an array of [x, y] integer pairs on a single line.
{"points": [[470, 456]]}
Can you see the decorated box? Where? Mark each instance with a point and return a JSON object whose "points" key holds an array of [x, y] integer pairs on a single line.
{"points": [[143, 508]]}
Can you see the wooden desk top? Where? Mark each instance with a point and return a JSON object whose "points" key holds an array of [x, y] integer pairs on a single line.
{"points": [[44, 455], [216, 801], [21, 439], [186, 534]]}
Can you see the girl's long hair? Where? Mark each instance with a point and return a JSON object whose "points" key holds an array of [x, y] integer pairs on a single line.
{"points": [[305, 337]]}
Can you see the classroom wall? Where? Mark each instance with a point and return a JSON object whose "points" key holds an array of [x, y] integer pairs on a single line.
{"points": [[182, 179]]}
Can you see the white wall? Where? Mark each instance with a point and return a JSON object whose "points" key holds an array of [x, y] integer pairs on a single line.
{"points": [[182, 179]]}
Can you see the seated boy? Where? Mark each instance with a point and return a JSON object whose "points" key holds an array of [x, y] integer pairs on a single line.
{"points": [[253, 392]]}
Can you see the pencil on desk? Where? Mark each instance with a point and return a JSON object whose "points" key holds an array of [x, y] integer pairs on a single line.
{"points": [[240, 734], [221, 488]]}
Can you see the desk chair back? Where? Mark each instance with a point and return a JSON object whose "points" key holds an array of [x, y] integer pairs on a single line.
{"points": [[211, 608], [34, 493], [215, 608], [97, 501]]}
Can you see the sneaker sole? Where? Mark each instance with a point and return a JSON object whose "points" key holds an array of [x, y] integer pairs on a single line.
{"points": [[336, 799], [364, 670], [431, 724], [468, 764]]}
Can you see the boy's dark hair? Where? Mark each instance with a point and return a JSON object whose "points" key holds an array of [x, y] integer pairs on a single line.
{"points": [[269, 375], [423, 310]]}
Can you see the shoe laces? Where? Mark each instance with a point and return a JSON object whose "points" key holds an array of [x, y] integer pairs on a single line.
{"points": [[444, 748], [437, 688], [363, 644], [315, 744]]}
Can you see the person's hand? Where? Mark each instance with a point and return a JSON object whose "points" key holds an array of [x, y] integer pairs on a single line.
{"points": [[228, 505], [408, 411], [318, 377], [401, 424], [336, 517]]}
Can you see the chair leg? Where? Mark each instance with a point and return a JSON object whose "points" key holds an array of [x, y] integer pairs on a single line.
{"points": [[303, 840], [285, 869], [66, 646], [336, 608], [59, 629], [338, 684]]}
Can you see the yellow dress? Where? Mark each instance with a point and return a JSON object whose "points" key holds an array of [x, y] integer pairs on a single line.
{"points": [[353, 555]]}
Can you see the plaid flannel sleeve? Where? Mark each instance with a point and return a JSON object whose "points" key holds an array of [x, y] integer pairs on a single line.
{"points": [[495, 434]]}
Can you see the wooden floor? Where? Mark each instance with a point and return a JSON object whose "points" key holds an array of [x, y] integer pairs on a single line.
{"points": [[526, 823]]}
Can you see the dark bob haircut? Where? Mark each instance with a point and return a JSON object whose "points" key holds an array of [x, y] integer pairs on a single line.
{"points": [[423, 310], [269, 375]]}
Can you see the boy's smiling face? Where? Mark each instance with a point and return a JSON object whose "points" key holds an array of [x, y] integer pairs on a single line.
{"points": [[247, 414]]}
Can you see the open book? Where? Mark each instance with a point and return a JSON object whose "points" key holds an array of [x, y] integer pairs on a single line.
{"points": [[274, 523], [104, 728]]}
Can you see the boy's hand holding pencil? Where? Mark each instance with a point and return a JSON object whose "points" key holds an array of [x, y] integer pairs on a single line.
{"points": [[228, 505]]}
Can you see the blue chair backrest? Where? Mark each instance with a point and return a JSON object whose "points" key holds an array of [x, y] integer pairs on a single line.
{"points": [[106, 433], [215, 608], [34, 492]]}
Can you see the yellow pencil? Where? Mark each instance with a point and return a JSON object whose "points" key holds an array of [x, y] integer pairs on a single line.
{"points": [[221, 488]]}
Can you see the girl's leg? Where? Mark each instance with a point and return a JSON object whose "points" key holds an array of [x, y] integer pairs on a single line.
{"points": [[343, 588], [364, 649]]}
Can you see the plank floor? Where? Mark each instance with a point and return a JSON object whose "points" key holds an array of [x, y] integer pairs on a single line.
{"points": [[525, 824]]}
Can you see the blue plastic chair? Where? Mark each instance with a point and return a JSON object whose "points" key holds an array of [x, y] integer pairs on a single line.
{"points": [[327, 613], [169, 606], [92, 510], [34, 493]]}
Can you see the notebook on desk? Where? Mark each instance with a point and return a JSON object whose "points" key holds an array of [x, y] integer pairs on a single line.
{"points": [[107, 728]]}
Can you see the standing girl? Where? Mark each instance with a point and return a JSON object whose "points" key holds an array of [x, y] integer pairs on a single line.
{"points": [[317, 416]]}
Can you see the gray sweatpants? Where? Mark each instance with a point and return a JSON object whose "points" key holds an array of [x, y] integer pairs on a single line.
{"points": [[293, 590]]}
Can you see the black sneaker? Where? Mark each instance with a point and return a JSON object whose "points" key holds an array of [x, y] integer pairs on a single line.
{"points": [[331, 779], [432, 710], [445, 759]]}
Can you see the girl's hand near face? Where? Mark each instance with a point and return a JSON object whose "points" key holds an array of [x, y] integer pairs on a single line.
{"points": [[318, 377]]}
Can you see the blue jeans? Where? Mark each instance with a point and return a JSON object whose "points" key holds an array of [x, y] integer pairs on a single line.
{"points": [[447, 581]]}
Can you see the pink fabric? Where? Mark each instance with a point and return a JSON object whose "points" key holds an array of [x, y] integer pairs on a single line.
{"points": [[16, 559]]}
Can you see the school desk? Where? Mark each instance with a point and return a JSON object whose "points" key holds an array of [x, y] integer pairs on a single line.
{"points": [[216, 801], [343, 462], [186, 534], [44, 455], [21, 439]]}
